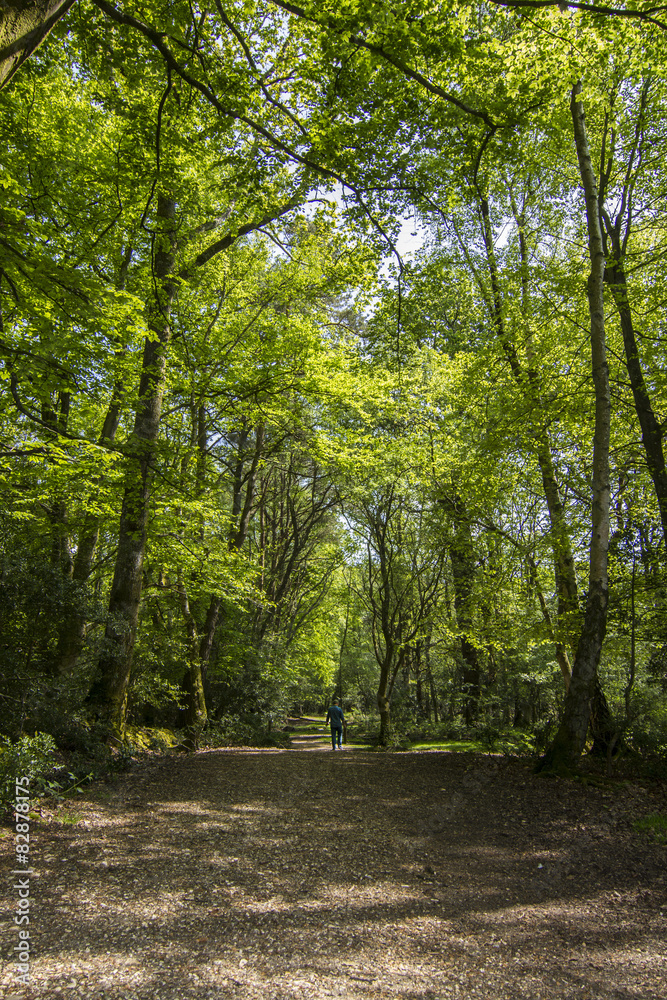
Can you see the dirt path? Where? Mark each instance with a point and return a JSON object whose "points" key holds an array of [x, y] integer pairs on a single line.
{"points": [[302, 740], [241, 874]]}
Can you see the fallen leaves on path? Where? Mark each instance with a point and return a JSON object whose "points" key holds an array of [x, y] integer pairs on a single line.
{"points": [[294, 874]]}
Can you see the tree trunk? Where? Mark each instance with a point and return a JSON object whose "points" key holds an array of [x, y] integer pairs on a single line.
{"points": [[241, 511], [652, 432], [24, 24], [603, 726], [116, 660], [383, 704], [461, 554], [417, 666], [569, 618], [195, 713], [429, 675], [571, 736], [200, 641], [73, 630], [561, 651], [615, 235], [210, 625]]}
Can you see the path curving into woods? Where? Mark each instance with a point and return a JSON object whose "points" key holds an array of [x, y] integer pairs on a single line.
{"points": [[302, 737], [273, 874]]}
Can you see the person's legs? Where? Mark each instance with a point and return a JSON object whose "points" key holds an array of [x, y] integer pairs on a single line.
{"points": [[333, 738], [340, 739]]}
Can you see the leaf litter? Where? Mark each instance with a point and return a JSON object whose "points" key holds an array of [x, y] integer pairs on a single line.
{"points": [[306, 873]]}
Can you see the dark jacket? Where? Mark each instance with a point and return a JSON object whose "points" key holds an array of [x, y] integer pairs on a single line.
{"points": [[336, 717]]}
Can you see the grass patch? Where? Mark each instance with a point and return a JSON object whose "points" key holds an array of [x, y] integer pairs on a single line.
{"points": [[452, 746], [68, 817], [655, 825], [511, 744]]}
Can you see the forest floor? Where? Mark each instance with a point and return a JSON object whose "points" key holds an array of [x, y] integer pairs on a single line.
{"points": [[278, 874]]}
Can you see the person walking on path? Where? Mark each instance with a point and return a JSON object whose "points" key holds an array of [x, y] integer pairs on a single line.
{"points": [[337, 720]]}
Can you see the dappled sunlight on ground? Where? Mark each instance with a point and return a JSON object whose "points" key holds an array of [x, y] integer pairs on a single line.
{"points": [[245, 874]]}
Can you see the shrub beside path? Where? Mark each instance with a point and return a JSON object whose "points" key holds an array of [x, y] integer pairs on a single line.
{"points": [[272, 874]]}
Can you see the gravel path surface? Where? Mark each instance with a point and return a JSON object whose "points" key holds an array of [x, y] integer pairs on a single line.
{"points": [[297, 874]]}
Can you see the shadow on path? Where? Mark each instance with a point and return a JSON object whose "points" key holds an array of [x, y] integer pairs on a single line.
{"points": [[292, 874]]}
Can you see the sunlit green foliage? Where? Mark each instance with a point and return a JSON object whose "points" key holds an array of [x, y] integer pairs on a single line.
{"points": [[364, 466]]}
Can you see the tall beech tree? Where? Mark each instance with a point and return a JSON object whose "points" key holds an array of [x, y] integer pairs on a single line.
{"points": [[630, 139], [116, 661], [569, 740]]}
